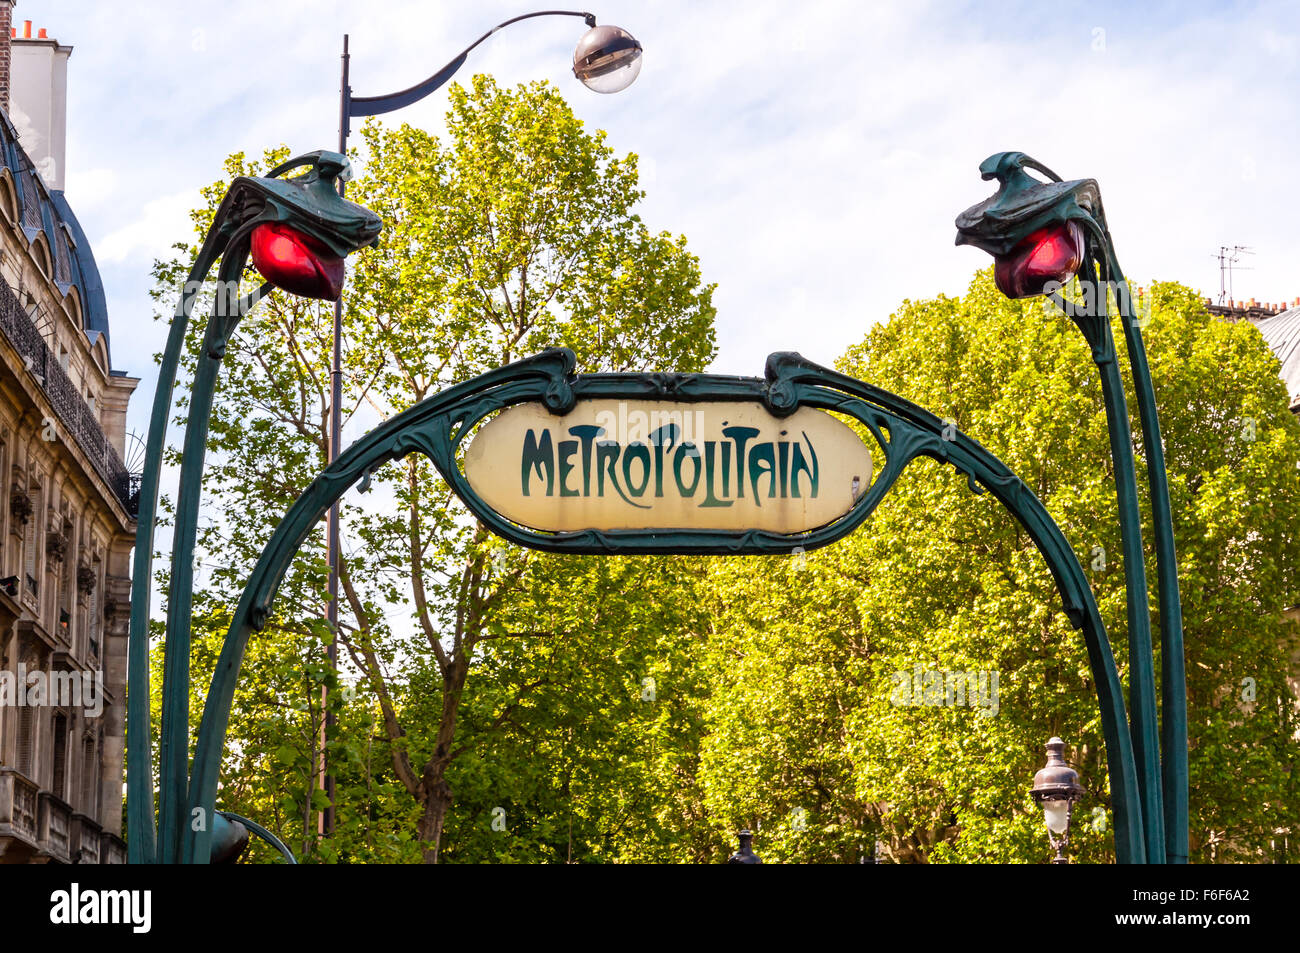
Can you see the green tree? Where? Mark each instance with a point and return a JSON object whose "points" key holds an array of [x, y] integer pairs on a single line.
{"points": [[597, 763], [806, 734], [517, 233]]}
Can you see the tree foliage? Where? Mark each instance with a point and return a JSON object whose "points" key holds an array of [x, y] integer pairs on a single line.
{"points": [[806, 729], [516, 234], [501, 705]]}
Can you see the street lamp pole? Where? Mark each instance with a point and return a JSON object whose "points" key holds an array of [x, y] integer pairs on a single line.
{"points": [[607, 60], [325, 820], [1040, 234]]}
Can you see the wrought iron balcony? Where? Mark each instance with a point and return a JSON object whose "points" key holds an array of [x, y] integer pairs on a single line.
{"points": [[74, 414]]}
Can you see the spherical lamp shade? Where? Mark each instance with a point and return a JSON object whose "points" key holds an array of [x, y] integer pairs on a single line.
{"points": [[298, 263], [1056, 814], [607, 59], [1048, 255]]}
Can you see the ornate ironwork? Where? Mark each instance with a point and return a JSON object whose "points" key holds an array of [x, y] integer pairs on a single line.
{"points": [[310, 204], [70, 410], [1022, 205], [437, 426]]}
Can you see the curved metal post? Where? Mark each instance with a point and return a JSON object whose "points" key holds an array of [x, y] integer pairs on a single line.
{"points": [[1173, 676], [437, 425], [174, 746], [309, 204], [1079, 603], [358, 106], [1002, 225], [141, 831], [1142, 685]]}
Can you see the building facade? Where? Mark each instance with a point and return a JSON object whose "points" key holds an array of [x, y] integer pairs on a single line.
{"points": [[66, 507]]}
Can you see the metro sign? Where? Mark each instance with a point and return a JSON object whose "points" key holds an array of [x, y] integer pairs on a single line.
{"points": [[634, 465]]}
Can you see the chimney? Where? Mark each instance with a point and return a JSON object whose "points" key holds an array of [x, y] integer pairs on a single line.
{"points": [[6, 34], [39, 100]]}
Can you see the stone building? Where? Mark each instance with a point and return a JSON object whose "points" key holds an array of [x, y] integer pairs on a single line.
{"points": [[66, 510]]}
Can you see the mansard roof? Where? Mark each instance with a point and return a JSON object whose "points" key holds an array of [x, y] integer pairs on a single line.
{"points": [[45, 212], [1282, 334]]}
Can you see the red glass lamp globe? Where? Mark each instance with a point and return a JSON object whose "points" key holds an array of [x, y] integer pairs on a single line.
{"points": [[1051, 254], [298, 263]]}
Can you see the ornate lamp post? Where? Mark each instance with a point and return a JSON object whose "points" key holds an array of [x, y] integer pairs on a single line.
{"points": [[1056, 788], [745, 855], [607, 60], [298, 231], [1040, 234]]}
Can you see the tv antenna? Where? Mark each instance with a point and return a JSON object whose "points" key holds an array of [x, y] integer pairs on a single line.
{"points": [[1228, 257]]}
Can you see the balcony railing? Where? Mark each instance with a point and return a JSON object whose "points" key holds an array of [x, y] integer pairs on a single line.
{"points": [[73, 413], [17, 806], [53, 827], [86, 840], [112, 849], [34, 824]]}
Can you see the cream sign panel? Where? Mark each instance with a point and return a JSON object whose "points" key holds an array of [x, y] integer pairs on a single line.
{"points": [[618, 464]]}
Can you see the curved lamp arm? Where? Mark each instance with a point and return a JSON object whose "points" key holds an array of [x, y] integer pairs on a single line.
{"points": [[360, 106], [263, 833]]}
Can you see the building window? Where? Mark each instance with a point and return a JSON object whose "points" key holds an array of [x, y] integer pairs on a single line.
{"points": [[67, 578], [93, 619], [31, 210], [62, 264], [31, 586], [90, 778], [26, 743], [58, 783]]}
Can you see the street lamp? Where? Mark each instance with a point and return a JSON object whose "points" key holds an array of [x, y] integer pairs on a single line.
{"points": [[301, 222], [606, 60], [1040, 234], [1057, 788]]}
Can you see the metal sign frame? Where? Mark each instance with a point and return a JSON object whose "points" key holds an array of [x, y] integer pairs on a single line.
{"points": [[437, 426]]}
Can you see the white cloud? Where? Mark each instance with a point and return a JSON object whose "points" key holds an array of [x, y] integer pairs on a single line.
{"points": [[160, 223], [91, 188], [814, 155]]}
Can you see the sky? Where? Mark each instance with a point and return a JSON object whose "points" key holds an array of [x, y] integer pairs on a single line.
{"points": [[814, 154]]}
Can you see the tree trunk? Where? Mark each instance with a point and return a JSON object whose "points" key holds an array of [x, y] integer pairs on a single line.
{"points": [[436, 804], [437, 792]]}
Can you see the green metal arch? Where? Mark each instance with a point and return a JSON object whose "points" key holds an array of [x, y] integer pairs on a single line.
{"points": [[437, 426]]}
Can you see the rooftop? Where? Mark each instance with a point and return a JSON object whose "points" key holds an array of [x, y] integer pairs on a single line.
{"points": [[46, 212], [1282, 334]]}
